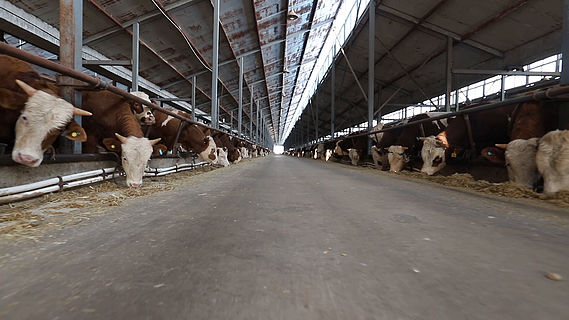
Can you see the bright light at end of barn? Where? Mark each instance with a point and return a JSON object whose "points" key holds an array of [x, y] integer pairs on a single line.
{"points": [[278, 149]]}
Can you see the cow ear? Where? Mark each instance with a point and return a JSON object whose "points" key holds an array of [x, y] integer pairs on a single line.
{"points": [[12, 100], [207, 132], [494, 154], [112, 144], [136, 107], [159, 149], [75, 132]]}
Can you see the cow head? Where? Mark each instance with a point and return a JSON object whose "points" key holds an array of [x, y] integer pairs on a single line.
{"points": [[135, 154], [338, 150], [552, 161], [398, 158], [222, 157], [41, 120], [142, 112], [376, 156], [354, 155], [520, 161], [244, 153], [433, 155], [376, 137], [199, 140], [329, 154]]}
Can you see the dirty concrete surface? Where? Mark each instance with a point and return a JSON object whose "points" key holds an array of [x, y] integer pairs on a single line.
{"points": [[287, 238]]}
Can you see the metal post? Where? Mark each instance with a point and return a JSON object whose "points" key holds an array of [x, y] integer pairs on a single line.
{"points": [[135, 54], [308, 124], [448, 73], [502, 90], [371, 70], [231, 122], [333, 102], [456, 100], [215, 67], [316, 124], [71, 40], [564, 108], [240, 112], [257, 130], [251, 114], [194, 98]]}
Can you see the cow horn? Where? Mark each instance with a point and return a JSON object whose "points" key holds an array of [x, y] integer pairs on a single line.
{"points": [[27, 88], [421, 138], [81, 112], [502, 146], [155, 141], [121, 138]]}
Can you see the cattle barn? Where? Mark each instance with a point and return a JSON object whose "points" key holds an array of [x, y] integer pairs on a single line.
{"points": [[300, 159]]}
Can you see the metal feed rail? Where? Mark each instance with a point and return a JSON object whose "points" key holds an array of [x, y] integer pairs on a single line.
{"points": [[544, 95], [97, 83]]}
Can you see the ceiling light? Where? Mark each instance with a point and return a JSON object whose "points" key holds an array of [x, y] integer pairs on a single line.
{"points": [[291, 15]]}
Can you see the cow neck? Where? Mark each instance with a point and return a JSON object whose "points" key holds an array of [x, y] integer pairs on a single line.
{"points": [[128, 125]]}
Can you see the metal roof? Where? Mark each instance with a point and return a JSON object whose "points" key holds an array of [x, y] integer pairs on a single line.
{"points": [[487, 34], [258, 31]]}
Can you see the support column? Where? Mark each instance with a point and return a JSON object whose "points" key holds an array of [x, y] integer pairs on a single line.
{"points": [[215, 67], [240, 112], [502, 90], [316, 116], [194, 98], [231, 121], [251, 114], [135, 54], [371, 71], [333, 102], [564, 108], [71, 40], [448, 73]]}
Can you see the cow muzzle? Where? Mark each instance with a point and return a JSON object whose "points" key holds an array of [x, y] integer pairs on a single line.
{"points": [[27, 160]]}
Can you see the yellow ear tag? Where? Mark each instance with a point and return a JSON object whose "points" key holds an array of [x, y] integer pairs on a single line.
{"points": [[112, 146], [74, 134], [453, 154]]}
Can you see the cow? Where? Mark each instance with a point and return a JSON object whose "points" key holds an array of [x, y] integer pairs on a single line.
{"points": [[115, 127], [552, 161], [488, 127], [409, 142], [354, 147], [33, 115], [380, 150], [142, 112], [233, 154], [529, 122], [192, 137]]}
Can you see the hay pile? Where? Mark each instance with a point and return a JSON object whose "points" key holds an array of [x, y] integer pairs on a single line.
{"points": [[505, 189], [18, 218]]}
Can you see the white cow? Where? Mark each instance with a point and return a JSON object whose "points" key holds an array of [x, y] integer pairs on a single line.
{"points": [[521, 161], [552, 160]]}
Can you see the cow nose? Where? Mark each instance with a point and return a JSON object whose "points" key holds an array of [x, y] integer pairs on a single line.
{"points": [[26, 159], [134, 185]]}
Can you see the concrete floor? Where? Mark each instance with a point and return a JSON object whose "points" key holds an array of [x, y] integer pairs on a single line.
{"points": [[287, 238]]}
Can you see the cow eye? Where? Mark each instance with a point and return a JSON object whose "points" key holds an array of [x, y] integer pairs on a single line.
{"points": [[124, 159], [24, 118]]}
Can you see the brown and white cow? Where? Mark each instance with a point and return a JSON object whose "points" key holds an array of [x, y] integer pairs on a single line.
{"points": [[192, 137], [33, 115], [233, 154], [552, 160], [488, 128], [142, 112], [409, 142], [529, 122], [114, 125]]}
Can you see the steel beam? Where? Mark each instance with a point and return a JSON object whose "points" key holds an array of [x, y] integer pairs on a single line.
{"points": [[506, 73], [371, 70], [240, 111], [107, 62], [564, 109], [194, 98], [215, 67], [448, 73], [70, 55], [135, 55], [333, 99]]}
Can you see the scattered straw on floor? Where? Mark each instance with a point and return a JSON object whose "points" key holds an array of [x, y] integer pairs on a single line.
{"points": [[17, 219], [506, 189]]}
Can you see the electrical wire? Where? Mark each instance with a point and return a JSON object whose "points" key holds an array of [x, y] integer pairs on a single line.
{"points": [[165, 14]]}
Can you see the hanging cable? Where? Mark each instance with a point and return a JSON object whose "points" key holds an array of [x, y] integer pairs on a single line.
{"points": [[165, 14]]}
